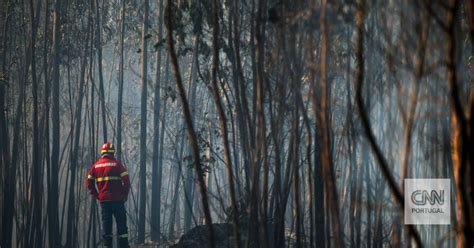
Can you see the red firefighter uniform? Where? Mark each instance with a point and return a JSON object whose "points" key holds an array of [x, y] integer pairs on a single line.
{"points": [[113, 182]]}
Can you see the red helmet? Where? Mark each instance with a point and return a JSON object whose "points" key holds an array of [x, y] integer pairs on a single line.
{"points": [[107, 148]]}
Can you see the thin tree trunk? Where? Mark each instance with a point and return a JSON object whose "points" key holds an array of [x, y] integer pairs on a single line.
{"points": [[240, 89], [382, 162], [5, 233], [53, 194], [99, 65], [71, 232], [319, 187], [296, 179], [143, 147], [36, 163], [258, 226], [162, 134], [189, 124], [327, 164], [156, 176], [223, 123], [120, 90], [462, 147], [189, 180], [11, 168]]}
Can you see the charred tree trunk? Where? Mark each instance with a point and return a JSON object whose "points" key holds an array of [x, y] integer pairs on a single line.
{"points": [[98, 44], [327, 164], [53, 194], [223, 122], [156, 175], [189, 124], [143, 147], [382, 162], [74, 157], [36, 169], [120, 89], [258, 225], [7, 201], [462, 139]]}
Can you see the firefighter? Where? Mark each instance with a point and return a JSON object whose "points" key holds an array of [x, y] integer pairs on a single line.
{"points": [[113, 186]]}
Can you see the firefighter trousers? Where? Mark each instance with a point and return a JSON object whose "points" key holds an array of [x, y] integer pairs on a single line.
{"points": [[118, 211]]}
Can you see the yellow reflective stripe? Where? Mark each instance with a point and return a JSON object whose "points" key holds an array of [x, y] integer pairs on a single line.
{"points": [[100, 179], [123, 174], [108, 151], [90, 177], [125, 235]]}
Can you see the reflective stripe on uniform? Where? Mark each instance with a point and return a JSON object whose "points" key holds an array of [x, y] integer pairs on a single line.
{"points": [[125, 235], [100, 179], [123, 174], [105, 165], [90, 177]]}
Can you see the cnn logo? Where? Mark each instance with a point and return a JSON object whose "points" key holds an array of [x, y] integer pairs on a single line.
{"points": [[420, 197]]}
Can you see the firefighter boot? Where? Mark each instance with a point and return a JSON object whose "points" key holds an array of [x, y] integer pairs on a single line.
{"points": [[123, 242], [107, 240]]}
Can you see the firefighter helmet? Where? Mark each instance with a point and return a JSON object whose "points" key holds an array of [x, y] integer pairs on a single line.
{"points": [[107, 148]]}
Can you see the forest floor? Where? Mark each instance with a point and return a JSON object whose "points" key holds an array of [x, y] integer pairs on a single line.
{"points": [[198, 238]]}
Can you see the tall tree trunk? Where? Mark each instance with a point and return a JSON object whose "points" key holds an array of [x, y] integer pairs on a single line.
{"points": [[189, 180], [223, 122], [98, 40], [179, 171], [162, 134], [156, 175], [418, 62], [120, 90], [296, 179], [382, 162], [44, 140], [319, 187], [71, 240], [259, 151], [246, 131], [143, 147], [327, 164], [36, 163], [189, 124], [10, 166], [5, 227], [53, 194], [5, 234], [462, 146]]}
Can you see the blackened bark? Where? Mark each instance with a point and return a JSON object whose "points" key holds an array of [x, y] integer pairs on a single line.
{"points": [[189, 124], [156, 175], [143, 114], [118, 144], [71, 232], [259, 152], [53, 194], [8, 167], [98, 40], [223, 122], [382, 162], [327, 164], [462, 146]]}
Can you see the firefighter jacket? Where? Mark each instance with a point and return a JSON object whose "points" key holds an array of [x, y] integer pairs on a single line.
{"points": [[111, 177]]}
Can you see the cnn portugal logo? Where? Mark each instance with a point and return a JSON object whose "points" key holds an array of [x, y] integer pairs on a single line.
{"points": [[427, 201]]}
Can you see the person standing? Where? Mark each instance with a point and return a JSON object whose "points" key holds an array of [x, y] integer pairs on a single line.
{"points": [[108, 182]]}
